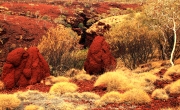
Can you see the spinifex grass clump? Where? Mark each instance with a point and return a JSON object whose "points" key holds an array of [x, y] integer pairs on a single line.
{"points": [[114, 81], [109, 97], [9, 101], [63, 87], [173, 88], [159, 94]]}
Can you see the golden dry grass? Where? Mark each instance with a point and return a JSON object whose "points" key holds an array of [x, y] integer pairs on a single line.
{"points": [[126, 80], [160, 94], [173, 88], [66, 106], [136, 96], [109, 97], [114, 81], [63, 87], [171, 108], [89, 95], [144, 81], [71, 106], [9, 101], [173, 70], [52, 80], [133, 96], [33, 107], [82, 76]]}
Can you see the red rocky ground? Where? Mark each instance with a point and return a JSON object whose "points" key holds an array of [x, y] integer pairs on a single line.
{"points": [[24, 23]]}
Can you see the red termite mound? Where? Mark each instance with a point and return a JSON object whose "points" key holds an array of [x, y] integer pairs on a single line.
{"points": [[24, 67], [99, 58]]}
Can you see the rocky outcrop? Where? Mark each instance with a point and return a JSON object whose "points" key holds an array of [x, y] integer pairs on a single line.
{"points": [[24, 67], [99, 58]]}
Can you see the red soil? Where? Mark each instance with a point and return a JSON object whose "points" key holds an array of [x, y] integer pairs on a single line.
{"points": [[41, 9]]}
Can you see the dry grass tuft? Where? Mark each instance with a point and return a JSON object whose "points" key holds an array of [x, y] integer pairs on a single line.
{"points": [[160, 94], [9, 101], [136, 96], [82, 96], [114, 81], [89, 95], [109, 97], [173, 88], [82, 76], [72, 72], [60, 79], [66, 106], [71, 106], [172, 70], [33, 107], [144, 81], [52, 80], [63, 87], [171, 108]]}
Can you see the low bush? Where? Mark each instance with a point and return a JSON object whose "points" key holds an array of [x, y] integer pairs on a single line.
{"points": [[63, 87], [136, 96], [59, 47], [109, 97], [9, 101], [173, 88], [144, 81], [114, 81], [82, 76], [52, 80], [173, 70], [33, 107], [160, 94]]}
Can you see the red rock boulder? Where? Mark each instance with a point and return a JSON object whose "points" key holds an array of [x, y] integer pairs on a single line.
{"points": [[99, 58], [24, 68]]}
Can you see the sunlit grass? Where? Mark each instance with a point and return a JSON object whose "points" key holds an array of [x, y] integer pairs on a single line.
{"points": [[63, 87]]}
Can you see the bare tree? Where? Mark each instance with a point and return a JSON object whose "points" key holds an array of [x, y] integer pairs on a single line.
{"points": [[167, 15]]}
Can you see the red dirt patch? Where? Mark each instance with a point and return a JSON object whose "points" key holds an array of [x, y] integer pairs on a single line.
{"points": [[40, 9]]}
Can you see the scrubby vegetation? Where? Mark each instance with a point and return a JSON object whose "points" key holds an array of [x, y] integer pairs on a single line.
{"points": [[142, 45], [63, 87], [9, 101], [59, 47]]}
